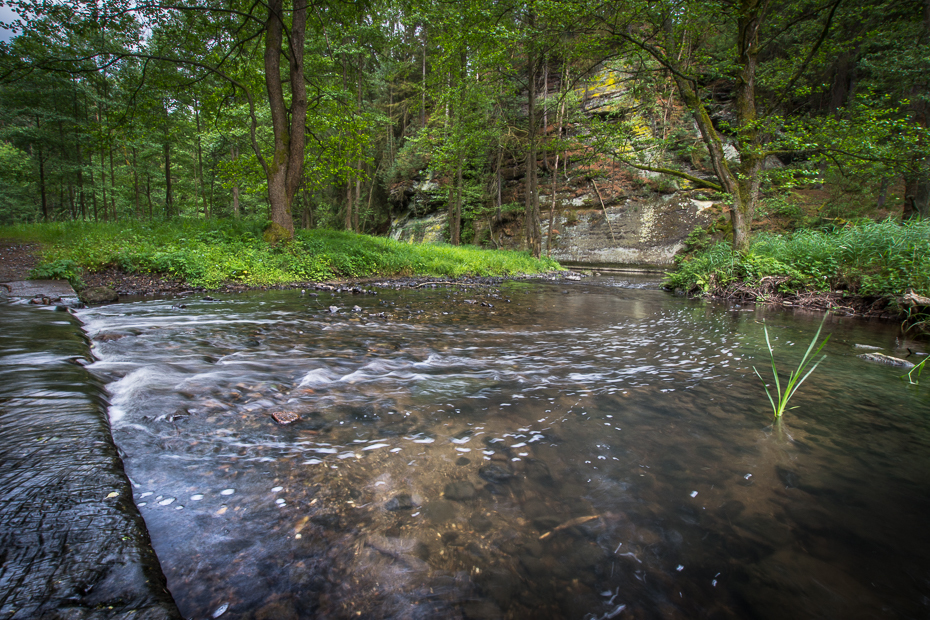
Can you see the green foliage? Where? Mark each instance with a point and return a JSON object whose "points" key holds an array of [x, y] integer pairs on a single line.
{"points": [[871, 258], [795, 378], [65, 269], [210, 253]]}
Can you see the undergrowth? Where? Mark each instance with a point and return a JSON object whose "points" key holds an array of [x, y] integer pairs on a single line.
{"points": [[872, 259], [212, 252]]}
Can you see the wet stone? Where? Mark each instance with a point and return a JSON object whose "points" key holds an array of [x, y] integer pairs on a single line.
{"points": [[460, 491], [480, 523], [439, 511], [364, 414], [99, 295], [402, 501], [329, 521], [285, 417], [496, 474], [462, 461]]}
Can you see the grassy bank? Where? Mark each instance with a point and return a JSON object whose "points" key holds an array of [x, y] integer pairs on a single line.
{"points": [[213, 252], [871, 259]]}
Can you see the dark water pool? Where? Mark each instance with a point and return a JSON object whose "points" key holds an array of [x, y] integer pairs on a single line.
{"points": [[596, 449]]}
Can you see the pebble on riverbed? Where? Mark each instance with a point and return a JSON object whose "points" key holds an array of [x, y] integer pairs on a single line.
{"points": [[285, 417]]}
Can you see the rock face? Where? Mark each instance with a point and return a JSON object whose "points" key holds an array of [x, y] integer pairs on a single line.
{"points": [[639, 230], [606, 213], [99, 295]]}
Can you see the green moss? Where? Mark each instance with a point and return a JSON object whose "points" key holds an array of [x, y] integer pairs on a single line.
{"points": [[275, 233]]}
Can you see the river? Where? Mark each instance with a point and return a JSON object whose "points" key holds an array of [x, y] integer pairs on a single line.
{"points": [[595, 449]]}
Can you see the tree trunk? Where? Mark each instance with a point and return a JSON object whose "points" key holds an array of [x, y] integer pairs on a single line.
{"points": [[203, 197], [42, 175], [234, 155], [115, 215], [135, 184], [169, 197], [423, 84], [284, 171], [531, 219], [93, 193], [148, 195], [360, 166], [742, 184], [456, 220], [916, 196], [103, 188]]}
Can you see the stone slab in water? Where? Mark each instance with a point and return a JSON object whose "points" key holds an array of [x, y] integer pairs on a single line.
{"points": [[72, 543], [38, 288]]}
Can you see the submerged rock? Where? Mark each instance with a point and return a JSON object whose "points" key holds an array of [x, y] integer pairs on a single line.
{"points": [[402, 501], [495, 474], [460, 491]]}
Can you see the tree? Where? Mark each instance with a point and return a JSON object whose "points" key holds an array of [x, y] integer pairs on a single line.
{"points": [[697, 41]]}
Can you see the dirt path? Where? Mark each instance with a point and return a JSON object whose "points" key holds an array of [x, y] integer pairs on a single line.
{"points": [[17, 259]]}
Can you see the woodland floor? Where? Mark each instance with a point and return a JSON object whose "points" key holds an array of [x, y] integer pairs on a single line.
{"points": [[17, 259]]}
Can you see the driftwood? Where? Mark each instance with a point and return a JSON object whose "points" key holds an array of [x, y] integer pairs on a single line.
{"points": [[568, 524], [913, 300]]}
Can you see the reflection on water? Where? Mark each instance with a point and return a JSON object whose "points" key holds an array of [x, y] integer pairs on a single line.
{"points": [[579, 450]]}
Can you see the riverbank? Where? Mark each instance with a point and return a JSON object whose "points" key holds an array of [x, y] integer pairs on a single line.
{"points": [[864, 269], [210, 254]]}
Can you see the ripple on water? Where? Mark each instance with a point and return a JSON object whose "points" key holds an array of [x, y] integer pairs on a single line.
{"points": [[615, 431]]}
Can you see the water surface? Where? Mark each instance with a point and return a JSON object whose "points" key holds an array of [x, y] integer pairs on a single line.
{"points": [[575, 450]]}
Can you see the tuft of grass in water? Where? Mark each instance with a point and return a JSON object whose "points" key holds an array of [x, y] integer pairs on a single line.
{"points": [[796, 377], [209, 253], [919, 368]]}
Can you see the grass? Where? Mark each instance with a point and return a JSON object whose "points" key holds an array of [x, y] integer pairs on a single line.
{"points": [[873, 259], [795, 378], [209, 253], [919, 368]]}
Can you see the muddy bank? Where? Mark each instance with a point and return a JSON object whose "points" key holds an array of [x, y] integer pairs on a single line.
{"points": [[72, 543], [839, 303]]}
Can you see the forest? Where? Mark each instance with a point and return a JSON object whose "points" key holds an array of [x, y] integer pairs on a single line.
{"points": [[320, 114]]}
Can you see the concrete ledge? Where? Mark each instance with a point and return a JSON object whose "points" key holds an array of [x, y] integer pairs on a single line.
{"points": [[38, 288], [72, 543]]}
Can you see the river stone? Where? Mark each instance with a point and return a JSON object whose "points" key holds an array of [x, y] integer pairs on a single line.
{"points": [[285, 417], [495, 474], [881, 358], [480, 523], [99, 295], [403, 501], [439, 511], [460, 491]]}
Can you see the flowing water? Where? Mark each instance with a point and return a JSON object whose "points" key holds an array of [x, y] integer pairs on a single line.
{"points": [[598, 449]]}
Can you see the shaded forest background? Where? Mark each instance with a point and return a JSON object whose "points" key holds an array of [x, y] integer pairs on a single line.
{"points": [[327, 114]]}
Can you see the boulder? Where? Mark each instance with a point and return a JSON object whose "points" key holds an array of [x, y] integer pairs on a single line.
{"points": [[99, 295]]}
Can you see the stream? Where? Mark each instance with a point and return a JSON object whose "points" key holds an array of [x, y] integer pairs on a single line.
{"points": [[595, 449]]}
